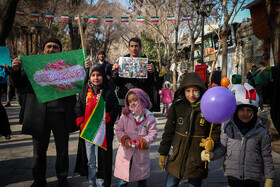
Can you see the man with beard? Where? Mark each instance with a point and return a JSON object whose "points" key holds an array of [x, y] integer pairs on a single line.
{"points": [[40, 119]]}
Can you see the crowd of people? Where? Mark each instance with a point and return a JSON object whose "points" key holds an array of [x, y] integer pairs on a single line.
{"points": [[185, 147]]}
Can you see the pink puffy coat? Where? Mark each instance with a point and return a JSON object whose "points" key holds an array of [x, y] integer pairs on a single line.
{"points": [[166, 95], [140, 158]]}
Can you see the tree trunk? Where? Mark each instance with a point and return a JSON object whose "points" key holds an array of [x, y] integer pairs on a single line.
{"points": [[224, 52], [192, 55], [273, 17], [7, 19]]}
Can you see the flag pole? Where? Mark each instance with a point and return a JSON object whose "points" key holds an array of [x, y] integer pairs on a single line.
{"points": [[82, 35]]}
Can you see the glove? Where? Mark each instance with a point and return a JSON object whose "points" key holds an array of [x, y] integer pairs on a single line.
{"points": [[107, 118], [268, 183], [207, 143], [161, 161], [206, 155]]}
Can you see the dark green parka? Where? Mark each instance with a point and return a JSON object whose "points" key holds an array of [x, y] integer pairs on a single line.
{"points": [[184, 129]]}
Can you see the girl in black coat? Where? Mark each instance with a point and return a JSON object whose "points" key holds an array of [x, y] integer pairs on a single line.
{"points": [[104, 170]]}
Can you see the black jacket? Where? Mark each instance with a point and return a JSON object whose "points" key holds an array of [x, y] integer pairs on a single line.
{"points": [[34, 115], [125, 84]]}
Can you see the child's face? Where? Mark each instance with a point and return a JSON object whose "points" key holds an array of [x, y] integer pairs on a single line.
{"points": [[245, 114], [166, 86], [192, 93], [132, 100], [96, 78]]}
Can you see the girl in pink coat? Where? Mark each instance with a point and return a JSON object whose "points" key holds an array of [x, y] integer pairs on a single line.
{"points": [[136, 130], [166, 96]]}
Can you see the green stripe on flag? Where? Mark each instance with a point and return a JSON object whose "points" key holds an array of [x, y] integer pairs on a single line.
{"points": [[95, 121]]}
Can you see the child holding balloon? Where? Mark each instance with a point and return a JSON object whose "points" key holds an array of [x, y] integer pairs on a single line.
{"points": [[245, 142], [184, 130]]}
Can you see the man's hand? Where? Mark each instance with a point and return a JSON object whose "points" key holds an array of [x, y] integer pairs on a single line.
{"points": [[260, 70], [87, 63], [161, 161], [150, 68], [16, 64], [115, 68]]}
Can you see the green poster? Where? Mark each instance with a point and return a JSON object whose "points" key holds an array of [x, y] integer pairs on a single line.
{"points": [[55, 75]]}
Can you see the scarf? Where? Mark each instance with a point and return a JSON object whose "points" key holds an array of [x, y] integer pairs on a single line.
{"points": [[93, 87], [139, 118]]}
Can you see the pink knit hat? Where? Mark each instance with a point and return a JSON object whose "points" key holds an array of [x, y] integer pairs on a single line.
{"points": [[144, 102]]}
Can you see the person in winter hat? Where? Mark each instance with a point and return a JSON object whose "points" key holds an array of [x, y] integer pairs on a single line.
{"points": [[184, 130], [96, 85], [135, 131], [245, 143], [166, 96]]}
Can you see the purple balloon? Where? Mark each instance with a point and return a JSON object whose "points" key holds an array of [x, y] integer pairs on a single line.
{"points": [[218, 104]]}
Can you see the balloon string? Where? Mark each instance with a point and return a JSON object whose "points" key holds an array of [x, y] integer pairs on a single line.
{"points": [[209, 137], [211, 130]]}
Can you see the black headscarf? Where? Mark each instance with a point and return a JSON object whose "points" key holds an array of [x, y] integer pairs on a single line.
{"points": [[245, 127], [104, 86]]}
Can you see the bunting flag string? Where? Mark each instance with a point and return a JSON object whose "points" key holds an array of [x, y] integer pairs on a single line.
{"points": [[94, 19]]}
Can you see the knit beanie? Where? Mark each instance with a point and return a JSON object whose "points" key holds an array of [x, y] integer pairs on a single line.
{"points": [[55, 40]]}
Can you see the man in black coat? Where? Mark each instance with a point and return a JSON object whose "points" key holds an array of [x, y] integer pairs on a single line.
{"points": [[125, 84], [40, 119]]}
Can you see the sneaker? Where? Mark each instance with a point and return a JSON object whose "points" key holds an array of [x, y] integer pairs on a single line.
{"points": [[7, 137]]}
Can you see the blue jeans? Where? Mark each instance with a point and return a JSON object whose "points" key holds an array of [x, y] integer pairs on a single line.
{"points": [[123, 183], [92, 168], [172, 181]]}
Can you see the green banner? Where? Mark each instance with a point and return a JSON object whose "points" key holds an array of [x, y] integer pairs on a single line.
{"points": [[55, 75]]}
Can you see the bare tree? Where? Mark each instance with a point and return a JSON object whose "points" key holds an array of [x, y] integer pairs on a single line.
{"points": [[7, 15]]}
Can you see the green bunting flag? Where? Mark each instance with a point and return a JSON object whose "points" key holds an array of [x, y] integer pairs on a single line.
{"points": [[94, 130], [187, 18], [124, 19], [170, 18], [55, 75], [19, 13], [154, 19], [93, 19], [109, 19], [49, 16], [34, 14], [64, 17], [140, 19]]}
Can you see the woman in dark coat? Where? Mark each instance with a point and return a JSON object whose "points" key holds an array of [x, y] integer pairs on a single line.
{"points": [[104, 156]]}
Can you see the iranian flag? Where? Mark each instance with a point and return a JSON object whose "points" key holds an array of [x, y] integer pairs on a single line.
{"points": [[187, 18], [19, 13], [109, 19], [49, 16], [170, 18], [64, 17], [154, 19], [76, 18], [140, 19], [34, 14], [124, 19], [93, 19], [94, 130]]}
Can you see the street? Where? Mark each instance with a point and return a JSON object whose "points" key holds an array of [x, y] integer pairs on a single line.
{"points": [[16, 159]]}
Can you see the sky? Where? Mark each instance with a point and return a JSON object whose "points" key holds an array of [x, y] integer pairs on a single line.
{"points": [[242, 14]]}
